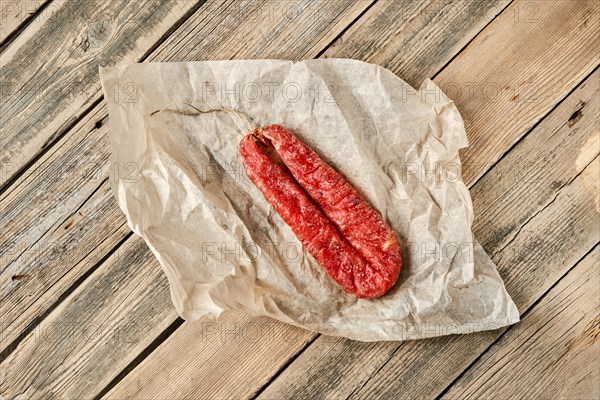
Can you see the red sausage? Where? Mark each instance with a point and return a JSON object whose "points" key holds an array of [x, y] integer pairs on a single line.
{"points": [[334, 223]]}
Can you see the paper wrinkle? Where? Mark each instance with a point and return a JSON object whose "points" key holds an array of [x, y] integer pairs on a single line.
{"points": [[183, 189]]}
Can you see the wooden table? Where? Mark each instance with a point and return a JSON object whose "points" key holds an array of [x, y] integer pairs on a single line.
{"points": [[85, 308]]}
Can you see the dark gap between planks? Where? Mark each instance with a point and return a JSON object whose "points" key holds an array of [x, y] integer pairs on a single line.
{"points": [[63, 296], [523, 316], [22, 26], [320, 53], [285, 366], [61, 132], [157, 342], [539, 122]]}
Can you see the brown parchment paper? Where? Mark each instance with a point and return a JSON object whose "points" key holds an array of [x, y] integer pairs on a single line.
{"points": [[183, 188]]}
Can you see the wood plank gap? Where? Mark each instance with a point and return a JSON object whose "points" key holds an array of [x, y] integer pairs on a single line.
{"points": [[542, 209], [49, 144], [22, 26], [287, 364], [140, 357], [320, 53], [491, 166], [523, 316], [172, 29], [358, 388], [57, 224], [40, 318], [470, 41], [63, 131]]}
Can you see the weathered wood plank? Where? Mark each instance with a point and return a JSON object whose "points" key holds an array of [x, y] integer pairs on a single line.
{"points": [[517, 68], [259, 346], [46, 88], [553, 353], [534, 53], [13, 14], [66, 355], [530, 263], [531, 178], [415, 39], [73, 174], [64, 202], [60, 263], [292, 30]]}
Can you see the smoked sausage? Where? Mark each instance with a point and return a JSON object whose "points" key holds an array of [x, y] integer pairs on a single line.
{"points": [[344, 234]]}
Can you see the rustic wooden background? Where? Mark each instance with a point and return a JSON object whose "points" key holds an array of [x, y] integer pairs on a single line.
{"points": [[85, 308]]}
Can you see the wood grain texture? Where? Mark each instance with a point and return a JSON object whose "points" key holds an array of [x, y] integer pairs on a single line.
{"points": [[47, 87], [553, 353], [505, 80], [291, 30], [13, 14], [534, 53], [230, 358], [49, 90], [415, 39], [219, 31], [59, 222], [73, 175], [530, 263], [68, 355], [569, 131]]}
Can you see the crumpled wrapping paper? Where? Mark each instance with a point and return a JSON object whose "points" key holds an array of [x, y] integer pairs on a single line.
{"points": [[183, 189]]}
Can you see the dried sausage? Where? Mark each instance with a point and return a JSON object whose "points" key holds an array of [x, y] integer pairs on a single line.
{"points": [[347, 237], [336, 226]]}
